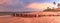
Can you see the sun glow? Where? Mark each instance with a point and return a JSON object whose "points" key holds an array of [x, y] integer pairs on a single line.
{"points": [[40, 5]]}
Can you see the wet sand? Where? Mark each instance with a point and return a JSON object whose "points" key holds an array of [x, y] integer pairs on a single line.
{"points": [[45, 19]]}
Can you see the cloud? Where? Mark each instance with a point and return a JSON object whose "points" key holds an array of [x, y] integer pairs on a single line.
{"points": [[3, 4], [10, 5], [40, 6], [22, 5]]}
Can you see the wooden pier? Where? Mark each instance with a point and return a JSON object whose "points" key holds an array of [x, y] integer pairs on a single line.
{"points": [[31, 15]]}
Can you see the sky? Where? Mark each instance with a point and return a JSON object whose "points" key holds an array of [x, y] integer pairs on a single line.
{"points": [[26, 5]]}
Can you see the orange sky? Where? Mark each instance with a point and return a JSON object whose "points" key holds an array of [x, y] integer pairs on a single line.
{"points": [[40, 5]]}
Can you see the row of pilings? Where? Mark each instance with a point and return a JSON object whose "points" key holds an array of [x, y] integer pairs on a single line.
{"points": [[31, 15]]}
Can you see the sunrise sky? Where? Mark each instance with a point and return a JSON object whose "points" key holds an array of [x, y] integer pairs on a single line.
{"points": [[25, 5]]}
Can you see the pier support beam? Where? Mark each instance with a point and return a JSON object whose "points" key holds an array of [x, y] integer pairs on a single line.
{"points": [[36, 15], [15, 14]]}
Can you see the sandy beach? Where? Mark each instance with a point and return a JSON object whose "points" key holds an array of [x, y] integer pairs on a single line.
{"points": [[45, 19]]}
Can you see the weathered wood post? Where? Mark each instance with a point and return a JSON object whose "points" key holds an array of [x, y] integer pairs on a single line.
{"points": [[13, 14], [19, 15], [36, 15]]}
